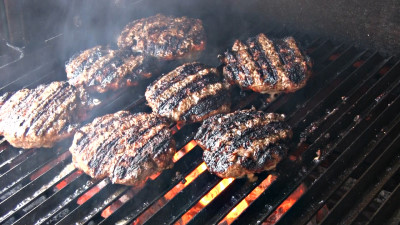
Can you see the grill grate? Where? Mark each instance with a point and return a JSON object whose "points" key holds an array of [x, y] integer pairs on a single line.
{"points": [[347, 114]]}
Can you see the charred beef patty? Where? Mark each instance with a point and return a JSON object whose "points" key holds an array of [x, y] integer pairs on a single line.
{"points": [[191, 92], [267, 65], [127, 148], [100, 69], [40, 117], [164, 37], [243, 142]]}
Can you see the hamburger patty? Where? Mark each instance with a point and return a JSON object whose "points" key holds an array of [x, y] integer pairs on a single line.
{"points": [[40, 117], [164, 37], [127, 148], [267, 65], [100, 69], [191, 92], [243, 142]]}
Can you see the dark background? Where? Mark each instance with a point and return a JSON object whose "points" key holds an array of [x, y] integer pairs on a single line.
{"points": [[83, 23]]}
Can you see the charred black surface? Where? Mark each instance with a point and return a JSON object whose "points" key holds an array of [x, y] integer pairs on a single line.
{"points": [[207, 105], [126, 147], [267, 65], [191, 92], [164, 37], [182, 72], [243, 142], [83, 60], [42, 116], [101, 69], [196, 85]]}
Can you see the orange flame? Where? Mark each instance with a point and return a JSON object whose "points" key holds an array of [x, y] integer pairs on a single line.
{"points": [[253, 195], [189, 146], [286, 205], [205, 200], [170, 194]]}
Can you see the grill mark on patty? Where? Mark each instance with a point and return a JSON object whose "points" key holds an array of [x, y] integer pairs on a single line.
{"points": [[40, 117], [297, 72], [171, 78], [243, 142], [270, 75], [163, 37], [206, 105], [38, 111], [63, 96], [109, 153], [195, 85], [193, 99], [232, 65], [257, 133], [267, 66], [244, 59], [121, 170], [234, 123], [85, 59]]}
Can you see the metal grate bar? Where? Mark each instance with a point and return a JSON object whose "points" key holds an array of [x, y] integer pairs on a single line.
{"points": [[96, 203], [31, 188], [55, 202], [346, 163], [183, 201], [317, 80], [27, 167], [388, 207], [263, 210], [16, 157], [335, 90], [226, 200], [153, 190], [359, 194]]}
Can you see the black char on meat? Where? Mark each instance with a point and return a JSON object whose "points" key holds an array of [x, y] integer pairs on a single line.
{"points": [[164, 37], [189, 93], [243, 142], [101, 69], [267, 65], [40, 117], [127, 148]]}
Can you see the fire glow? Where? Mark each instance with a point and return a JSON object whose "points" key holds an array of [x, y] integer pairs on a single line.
{"points": [[189, 146], [235, 212], [285, 206], [205, 200], [170, 194]]}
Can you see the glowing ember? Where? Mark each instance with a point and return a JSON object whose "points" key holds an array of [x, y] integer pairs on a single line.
{"points": [[189, 146], [170, 194], [94, 190], [285, 206], [50, 165], [118, 203], [188, 179], [215, 191], [205, 200], [68, 180], [234, 213]]}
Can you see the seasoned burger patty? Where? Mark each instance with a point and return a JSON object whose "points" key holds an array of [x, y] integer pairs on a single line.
{"points": [[127, 148], [267, 66], [243, 142], [191, 92], [82, 61], [164, 37], [33, 118], [100, 69]]}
